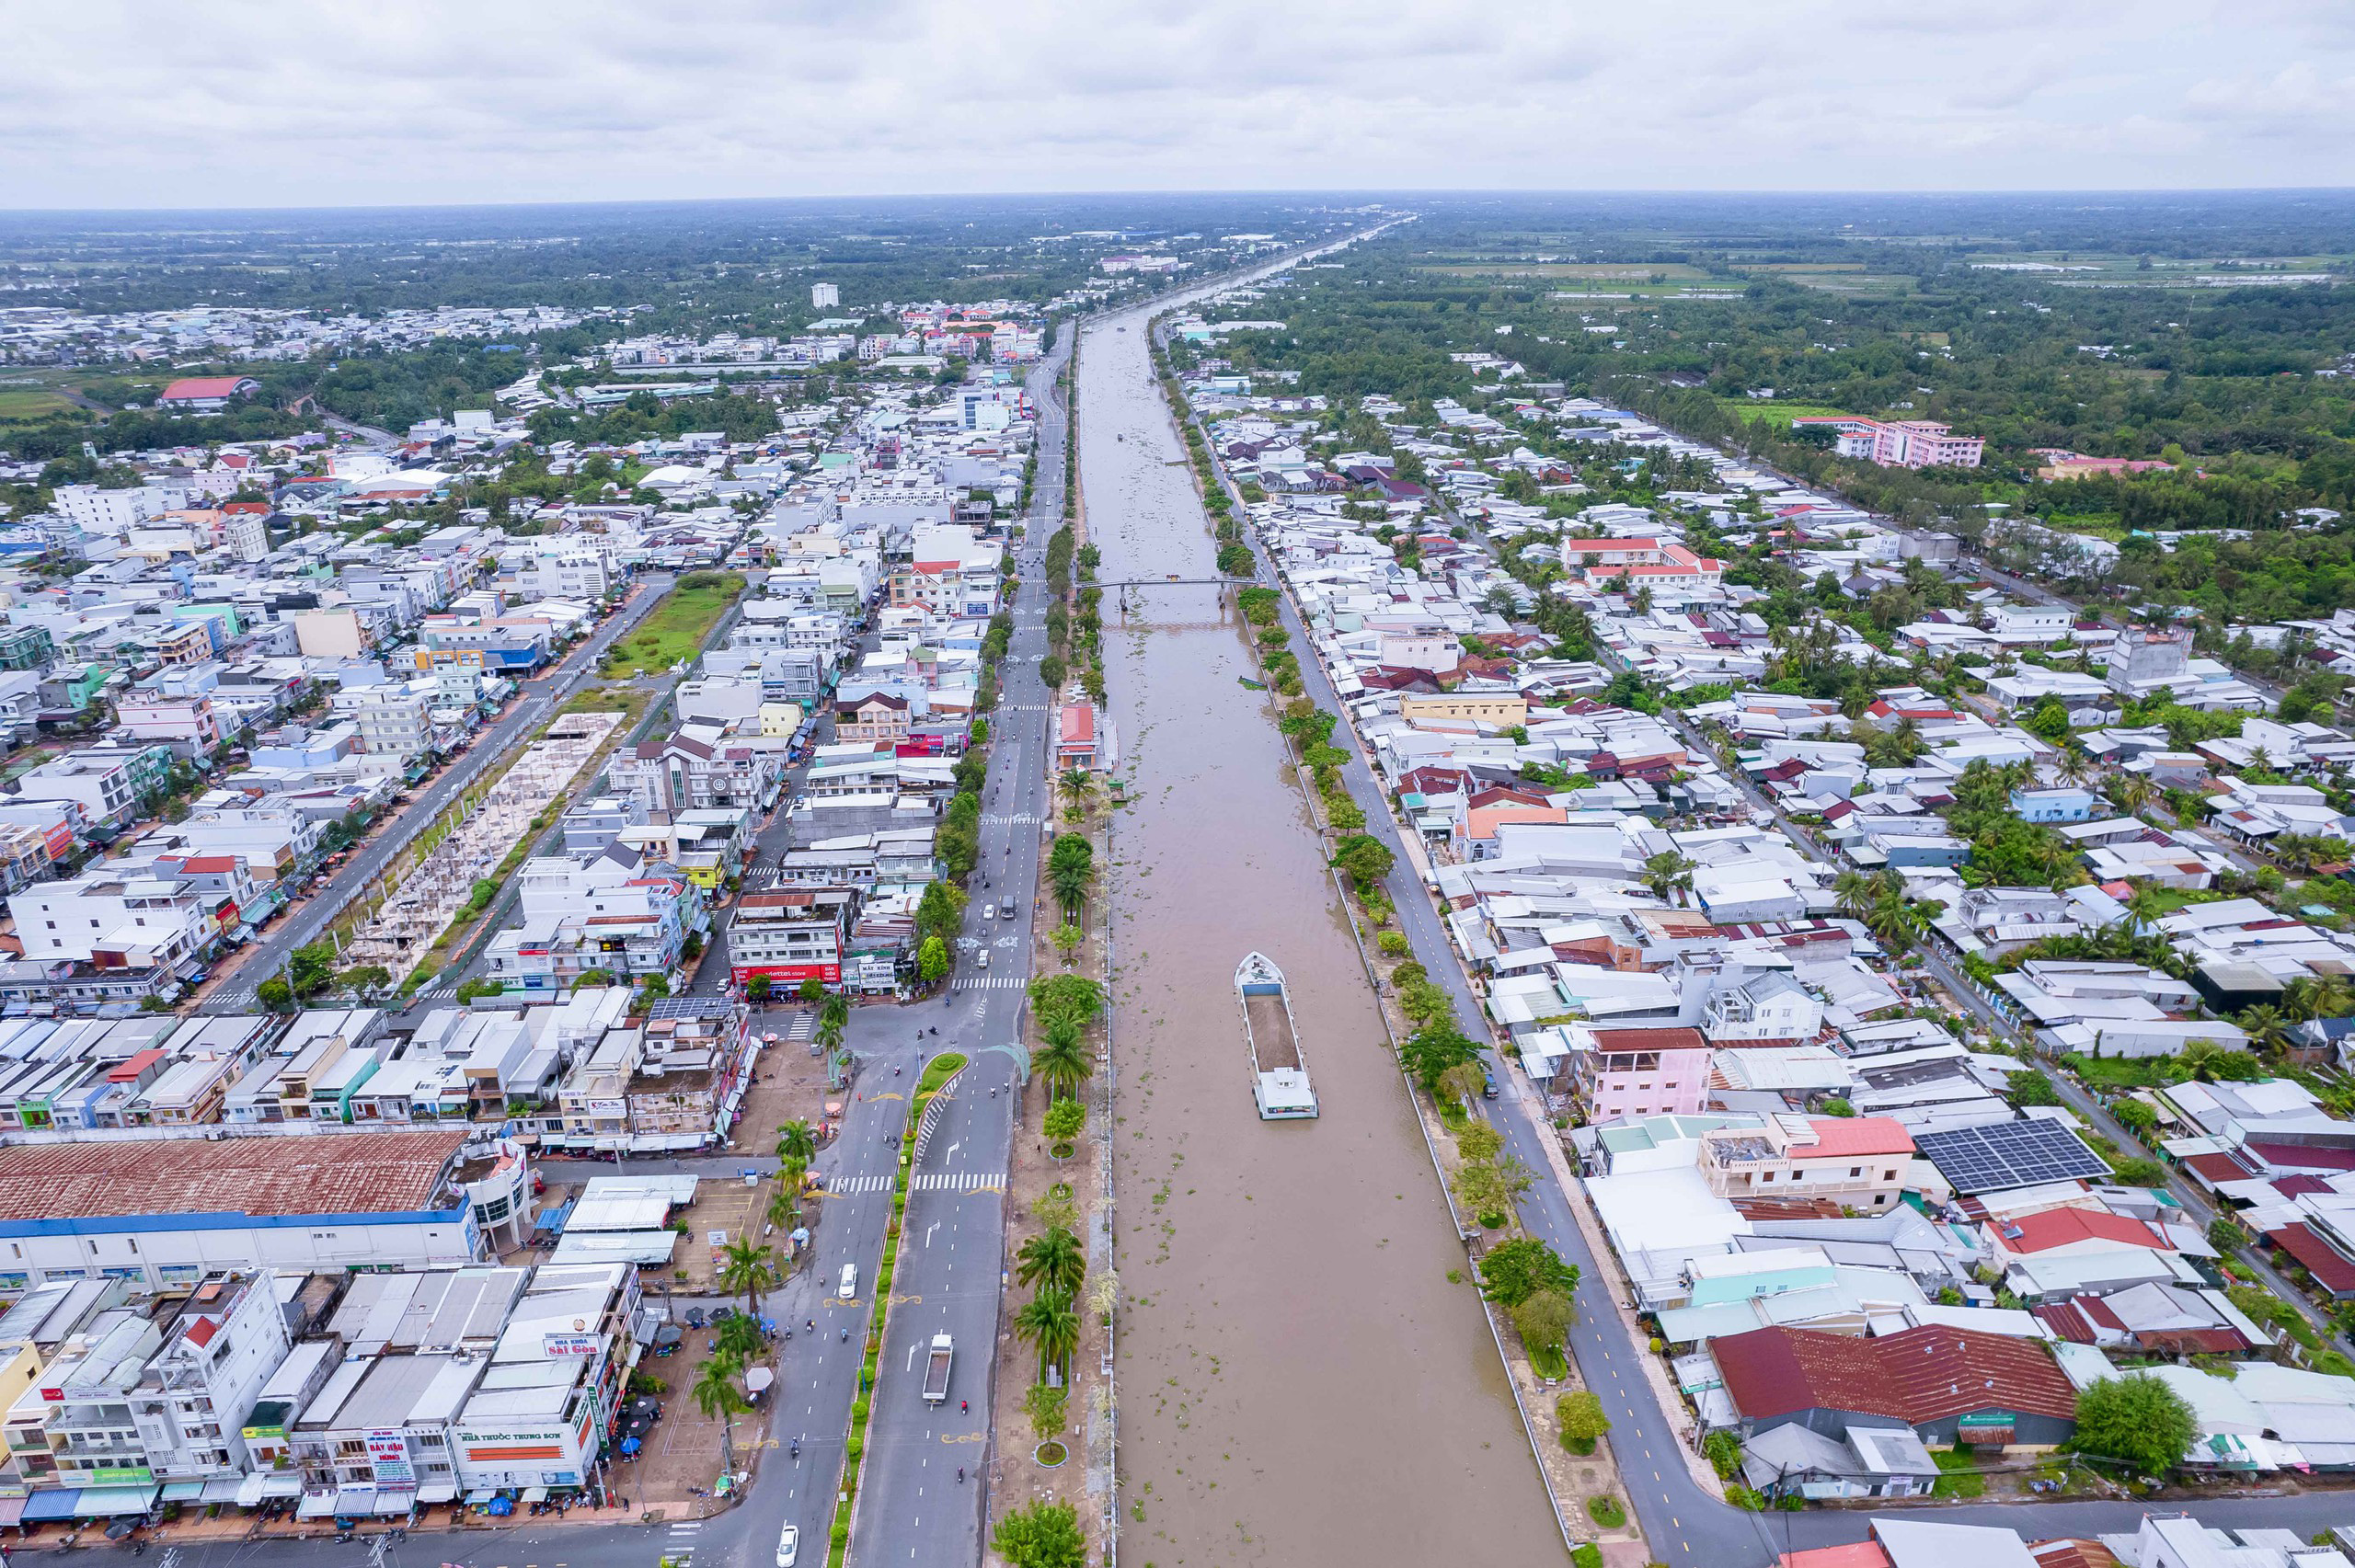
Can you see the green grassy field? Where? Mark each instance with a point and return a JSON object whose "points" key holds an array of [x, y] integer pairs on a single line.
{"points": [[30, 403], [676, 629], [1778, 411]]}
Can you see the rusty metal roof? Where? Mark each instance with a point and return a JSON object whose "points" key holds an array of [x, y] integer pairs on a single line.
{"points": [[353, 1172]]}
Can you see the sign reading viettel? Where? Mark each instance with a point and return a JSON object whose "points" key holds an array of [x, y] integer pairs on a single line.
{"points": [[568, 1345]]}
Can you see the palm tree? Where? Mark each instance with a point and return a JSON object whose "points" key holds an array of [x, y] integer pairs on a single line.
{"points": [[717, 1395], [2267, 1029], [2197, 1059], [795, 1144], [2135, 793], [832, 1018], [1077, 785], [2322, 996], [2075, 765], [1052, 1260], [1049, 1326], [1854, 891], [1666, 871], [747, 1268], [1894, 921], [784, 1207], [740, 1340], [1072, 878], [1062, 1058], [2145, 904]]}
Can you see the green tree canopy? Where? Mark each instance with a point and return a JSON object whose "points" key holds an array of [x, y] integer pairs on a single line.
{"points": [[1515, 1271], [2136, 1418], [1043, 1535]]}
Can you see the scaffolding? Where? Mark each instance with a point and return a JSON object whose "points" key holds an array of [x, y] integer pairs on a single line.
{"points": [[479, 832]]}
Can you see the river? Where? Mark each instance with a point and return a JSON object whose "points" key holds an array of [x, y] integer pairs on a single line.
{"points": [[1301, 1381]]}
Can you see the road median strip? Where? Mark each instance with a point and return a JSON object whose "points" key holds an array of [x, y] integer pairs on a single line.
{"points": [[938, 1073]]}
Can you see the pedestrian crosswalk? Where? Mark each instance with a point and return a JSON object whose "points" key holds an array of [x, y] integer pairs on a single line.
{"points": [[1015, 818], [436, 994], [804, 1025], [994, 982], [923, 1182]]}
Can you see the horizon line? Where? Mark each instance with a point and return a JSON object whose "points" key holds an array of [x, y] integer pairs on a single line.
{"points": [[1347, 193]]}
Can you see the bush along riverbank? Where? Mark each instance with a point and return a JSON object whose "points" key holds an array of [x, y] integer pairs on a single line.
{"points": [[1235, 557], [1527, 1291]]}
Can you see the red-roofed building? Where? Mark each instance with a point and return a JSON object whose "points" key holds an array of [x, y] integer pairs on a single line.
{"points": [[206, 394], [1082, 738], [2332, 1269], [1859, 1160], [1950, 1385], [2082, 1230], [1859, 1554]]}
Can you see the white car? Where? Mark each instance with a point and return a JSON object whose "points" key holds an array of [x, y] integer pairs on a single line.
{"points": [[788, 1546], [849, 1286], [989, 912]]}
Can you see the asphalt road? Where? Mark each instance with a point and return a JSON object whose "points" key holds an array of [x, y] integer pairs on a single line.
{"points": [[914, 1508], [539, 697]]}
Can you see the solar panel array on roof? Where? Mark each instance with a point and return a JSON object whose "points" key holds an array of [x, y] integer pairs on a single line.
{"points": [[2009, 1154]]}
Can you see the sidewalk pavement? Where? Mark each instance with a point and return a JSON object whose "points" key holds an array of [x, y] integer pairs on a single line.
{"points": [[237, 1527]]}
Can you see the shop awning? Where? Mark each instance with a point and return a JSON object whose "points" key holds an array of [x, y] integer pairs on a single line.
{"points": [[481, 1495], [361, 1499], [12, 1511], [535, 1494], [183, 1491], [437, 1491], [112, 1502], [315, 1506], [395, 1502], [249, 1490], [223, 1488], [53, 1502]]}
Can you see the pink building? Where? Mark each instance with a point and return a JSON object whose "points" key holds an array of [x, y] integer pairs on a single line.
{"points": [[1899, 443], [1617, 1073]]}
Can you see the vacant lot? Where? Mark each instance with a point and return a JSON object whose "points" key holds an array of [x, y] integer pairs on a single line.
{"points": [[30, 403], [1778, 412], [676, 629]]}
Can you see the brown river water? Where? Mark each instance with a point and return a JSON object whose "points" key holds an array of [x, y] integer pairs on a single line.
{"points": [[1300, 1380]]}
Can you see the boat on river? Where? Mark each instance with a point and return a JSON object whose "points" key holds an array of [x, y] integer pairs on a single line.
{"points": [[1279, 1075]]}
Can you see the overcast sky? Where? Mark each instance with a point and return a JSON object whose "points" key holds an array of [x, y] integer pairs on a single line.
{"points": [[269, 103]]}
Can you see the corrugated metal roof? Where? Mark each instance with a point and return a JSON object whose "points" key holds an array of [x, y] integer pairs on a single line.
{"points": [[361, 1173]]}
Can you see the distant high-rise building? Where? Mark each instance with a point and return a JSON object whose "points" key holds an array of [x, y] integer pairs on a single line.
{"points": [[824, 296]]}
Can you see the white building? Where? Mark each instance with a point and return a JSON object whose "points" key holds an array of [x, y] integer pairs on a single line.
{"points": [[133, 921], [115, 512], [247, 534], [191, 1399]]}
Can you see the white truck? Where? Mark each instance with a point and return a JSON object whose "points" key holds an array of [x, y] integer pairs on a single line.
{"points": [[935, 1368]]}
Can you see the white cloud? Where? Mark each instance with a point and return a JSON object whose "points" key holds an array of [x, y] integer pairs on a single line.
{"points": [[284, 102]]}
